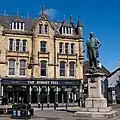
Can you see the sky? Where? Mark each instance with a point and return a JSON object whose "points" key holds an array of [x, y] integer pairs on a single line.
{"points": [[99, 16]]}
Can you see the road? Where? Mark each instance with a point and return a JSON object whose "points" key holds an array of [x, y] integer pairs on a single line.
{"points": [[50, 114]]}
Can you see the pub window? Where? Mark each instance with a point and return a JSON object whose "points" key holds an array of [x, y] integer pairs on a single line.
{"points": [[40, 28], [72, 69], [62, 68], [17, 45], [60, 47], [43, 68], [11, 44], [46, 29], [24, 45], [11, 64], [72, 48], [66, 48], [43, 46], [22, 67]]}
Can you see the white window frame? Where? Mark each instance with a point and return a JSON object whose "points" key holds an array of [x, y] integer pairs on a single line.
{"points": [[22, 67], [8, 68]]}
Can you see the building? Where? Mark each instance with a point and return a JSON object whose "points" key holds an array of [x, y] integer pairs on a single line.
{"points": [[112, 84], [40, 56]]}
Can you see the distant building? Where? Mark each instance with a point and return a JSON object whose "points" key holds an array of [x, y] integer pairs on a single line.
{"points": [[112, 84]]}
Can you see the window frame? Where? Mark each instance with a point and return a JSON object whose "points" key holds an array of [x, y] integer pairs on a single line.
{"points": [[10, 39], [43, 68], [24, 46], [46, 29], [14, 68], [22, 68], [72, 70], [67, 48], [40, 28], [62, 70], [60, 47], [43, 49], [72, 49], [17, 45]]}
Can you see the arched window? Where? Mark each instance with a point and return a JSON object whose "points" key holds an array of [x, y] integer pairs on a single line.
{"points": [[43, 46], [11, 65], [72, 69], [43, 68], [72, 48], [66, 48], [60, 47], [17, 44], [24, 45], [22, 67], [46, 28], [40, 28], [62, 68], [11, 44]]}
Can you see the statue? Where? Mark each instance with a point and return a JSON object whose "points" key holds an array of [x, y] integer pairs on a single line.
{"points": [[92, 46]]}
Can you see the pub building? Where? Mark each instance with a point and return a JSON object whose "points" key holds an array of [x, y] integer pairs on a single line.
{"points": [[41, 91], [41, 61]]}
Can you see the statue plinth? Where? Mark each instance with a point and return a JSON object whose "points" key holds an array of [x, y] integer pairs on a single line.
{"points": [[96, 105]]}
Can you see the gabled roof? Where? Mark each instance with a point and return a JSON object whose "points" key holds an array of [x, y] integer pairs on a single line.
{"points": [[117, 69], [66, 24], [6, 21]]}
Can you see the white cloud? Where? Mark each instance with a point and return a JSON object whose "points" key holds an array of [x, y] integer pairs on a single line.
{"points": [[52, 13]]}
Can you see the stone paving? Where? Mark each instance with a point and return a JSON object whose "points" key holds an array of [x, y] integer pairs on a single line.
{"points": [[50, 114]]}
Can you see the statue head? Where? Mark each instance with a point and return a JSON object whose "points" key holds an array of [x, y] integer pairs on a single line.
{"points": [[91, 34]]}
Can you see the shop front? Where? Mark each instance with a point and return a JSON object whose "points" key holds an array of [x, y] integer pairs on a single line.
{"points": [[45, 91]]}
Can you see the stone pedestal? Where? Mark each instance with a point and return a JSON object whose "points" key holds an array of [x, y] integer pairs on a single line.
{"points": [[96, 105]]}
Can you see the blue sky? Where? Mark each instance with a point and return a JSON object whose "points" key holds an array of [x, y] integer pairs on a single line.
{"points": [[99, 16]]}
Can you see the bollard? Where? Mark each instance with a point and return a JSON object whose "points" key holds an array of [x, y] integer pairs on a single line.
{"points": [[42, 106], [66, 105], [54, 106], [39, 105]]}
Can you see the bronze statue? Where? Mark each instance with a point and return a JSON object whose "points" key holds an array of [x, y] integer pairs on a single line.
{"points": [[92, 46]]}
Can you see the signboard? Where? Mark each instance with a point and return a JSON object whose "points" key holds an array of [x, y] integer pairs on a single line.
{"points": [[41, 82]]}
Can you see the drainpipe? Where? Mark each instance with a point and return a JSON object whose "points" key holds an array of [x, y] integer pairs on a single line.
{"points": [[54, 57]]}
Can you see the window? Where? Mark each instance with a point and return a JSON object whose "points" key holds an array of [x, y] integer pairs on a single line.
{"points": [[24, 45], [63, 29], [18, 25], [22, 25], [40, 28], [43, 68], [14, 23], [46, 29], [11, 44], [67, 30], [72, 69], [62, 68], [66, 48], [11, 67], [70, 30], [60, 47], [43, 46], [22, 67], [72, 48], [17, 45]]}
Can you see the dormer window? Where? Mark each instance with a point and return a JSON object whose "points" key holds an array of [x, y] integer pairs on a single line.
{"points": [[17, 26], [67, 30]]}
